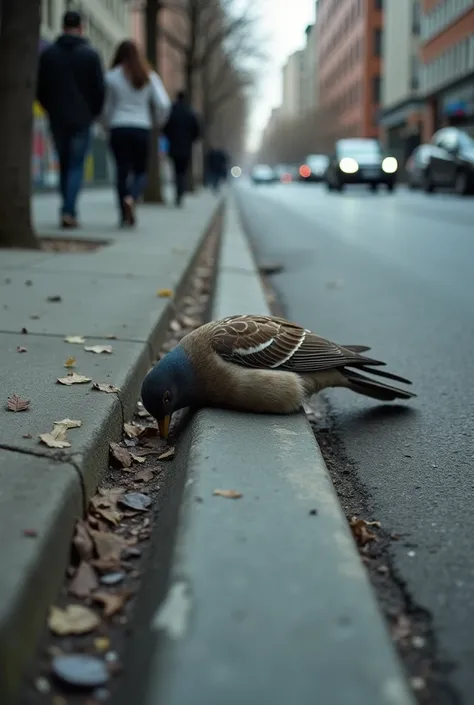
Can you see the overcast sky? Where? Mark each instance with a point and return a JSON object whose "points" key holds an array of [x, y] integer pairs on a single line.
{"points": [[283, 23]]}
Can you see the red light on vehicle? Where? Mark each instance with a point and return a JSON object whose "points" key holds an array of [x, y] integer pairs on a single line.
{"points": [[286, 178], [305, 171]]}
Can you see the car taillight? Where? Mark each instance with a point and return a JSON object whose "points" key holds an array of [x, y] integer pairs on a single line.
{"points": [[305, 171], [285, 178]]}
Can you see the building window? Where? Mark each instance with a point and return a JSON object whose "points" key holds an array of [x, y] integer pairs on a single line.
{"points": [[377, 42], [376, 89]]}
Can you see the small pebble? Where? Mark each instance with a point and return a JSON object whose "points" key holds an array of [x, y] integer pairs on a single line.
{"points": [[411, 554], [136, 501], [80, 670], [112, 578], [42, 685]]}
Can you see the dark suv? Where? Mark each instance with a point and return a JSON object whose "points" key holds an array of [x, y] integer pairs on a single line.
{"points": [[360, 161], [451, 164]]}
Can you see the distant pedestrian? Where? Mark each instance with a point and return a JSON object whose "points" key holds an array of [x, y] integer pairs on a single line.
{"points": [[71, 90], [182, 130], [216, 167], [135, 101]]}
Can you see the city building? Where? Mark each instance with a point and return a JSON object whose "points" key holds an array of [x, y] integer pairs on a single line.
{"points": [[447, 56], [402, 110], [349, 48], [293, 74], [309, 98]]}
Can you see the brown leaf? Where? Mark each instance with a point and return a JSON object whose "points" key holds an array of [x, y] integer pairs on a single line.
{"points": [[121, 455], [109, 546], [75, 619], [107, 497], [56, 438], [70, 362], [164, 293], [112, 602], [73, 378], [137, 458], [83, 542], [168, 454], [102, 387], [144, 476], [21, 349], [132, 431], [361, 532], [109, 515], [75, 339], [84, 582], [228, 494], [68, 423], [98, 349], [16, 403]]}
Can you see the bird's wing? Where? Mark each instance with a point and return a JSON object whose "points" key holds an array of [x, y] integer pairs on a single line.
{"points": [[268, 342]]}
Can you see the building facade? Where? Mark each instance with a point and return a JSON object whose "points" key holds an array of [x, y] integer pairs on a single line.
{"points": [[402, 110], [349, 49], [447, 56], [293, 75], [309, 98], [106, 23]]}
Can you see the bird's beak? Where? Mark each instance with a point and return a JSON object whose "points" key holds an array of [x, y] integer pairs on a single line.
{"points": [[164, 426]]}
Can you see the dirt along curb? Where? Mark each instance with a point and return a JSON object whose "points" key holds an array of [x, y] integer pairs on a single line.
{"points": [[43, 491]]}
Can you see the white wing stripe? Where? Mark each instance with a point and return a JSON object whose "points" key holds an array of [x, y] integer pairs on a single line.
{"points": [[297, 347], [255, 349]]}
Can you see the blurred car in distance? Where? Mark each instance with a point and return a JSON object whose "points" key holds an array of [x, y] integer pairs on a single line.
{"points": [[262, 174], [451, 164], [360, 161], [314, 168], [284, 173], [417, 163]]}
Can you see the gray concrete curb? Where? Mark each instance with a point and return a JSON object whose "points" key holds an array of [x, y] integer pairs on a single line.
{"points": [[268, 600], [53, 489]]}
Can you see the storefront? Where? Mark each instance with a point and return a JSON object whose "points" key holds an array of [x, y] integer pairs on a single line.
{"points": [[401, 128], [456, 106]]}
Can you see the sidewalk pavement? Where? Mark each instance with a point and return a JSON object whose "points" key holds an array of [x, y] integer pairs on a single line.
{"points": [[108, 296]]}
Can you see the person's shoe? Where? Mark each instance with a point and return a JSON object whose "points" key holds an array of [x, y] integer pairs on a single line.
{"points": [[129, 210], [68, 221]]}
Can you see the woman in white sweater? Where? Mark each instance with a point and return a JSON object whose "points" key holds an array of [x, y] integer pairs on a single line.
{"points": [[136, 101]]}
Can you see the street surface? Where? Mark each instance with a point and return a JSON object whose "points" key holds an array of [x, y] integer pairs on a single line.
{"points": [[395, 272]]}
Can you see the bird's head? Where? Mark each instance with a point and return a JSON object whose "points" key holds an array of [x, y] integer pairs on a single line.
{"points": [[168, 386]]}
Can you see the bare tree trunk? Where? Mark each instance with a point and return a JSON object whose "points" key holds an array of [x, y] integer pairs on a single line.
{"points": [[19, 47], [153, 193]]}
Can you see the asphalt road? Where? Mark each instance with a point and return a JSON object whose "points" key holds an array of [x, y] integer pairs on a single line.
{"points": [[395, 272]]}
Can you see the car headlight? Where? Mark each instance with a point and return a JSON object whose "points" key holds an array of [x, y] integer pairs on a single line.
{"points": [[348, 165], [389, 165]]}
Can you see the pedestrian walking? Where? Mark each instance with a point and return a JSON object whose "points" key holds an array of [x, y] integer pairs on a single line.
{"points": [[216, 167], [71, 90], [136, 101], [182, 130]]}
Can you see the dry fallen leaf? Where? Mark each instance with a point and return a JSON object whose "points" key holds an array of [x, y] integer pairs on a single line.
{"points": [[102, 387], [228, 494], [121, 455], [109, 546], [164, 293], [56, 438], [361, 532], [84, 582], [75, 339], [109, 515], [98, 349], [132, 431], [112, 602], [83, 542], [144, 476], [21, 349], [68, 423], [73, 378], [137, 458], [16, 403], [107, 497], [168, 454], [75, 619], [70, 362]]}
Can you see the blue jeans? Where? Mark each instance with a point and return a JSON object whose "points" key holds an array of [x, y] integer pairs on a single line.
{"points": [[130, 147], [72, 150]]}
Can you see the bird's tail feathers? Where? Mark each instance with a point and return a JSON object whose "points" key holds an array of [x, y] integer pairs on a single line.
{"points": [[373, 388], [382, 373], [356, 348]]}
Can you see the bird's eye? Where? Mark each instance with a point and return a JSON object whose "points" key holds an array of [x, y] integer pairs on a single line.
{"points": [[167, 397]]}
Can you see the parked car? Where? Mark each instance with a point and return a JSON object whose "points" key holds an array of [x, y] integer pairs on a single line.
{"points": [[262, 174], [284, 173], [360, 161], [314, 168], [417, 163], [451, 164]]}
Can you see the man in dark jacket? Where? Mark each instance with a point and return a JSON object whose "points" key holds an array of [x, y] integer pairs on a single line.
{"points": [[181, 130], [71, 90], [217, 166]]}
